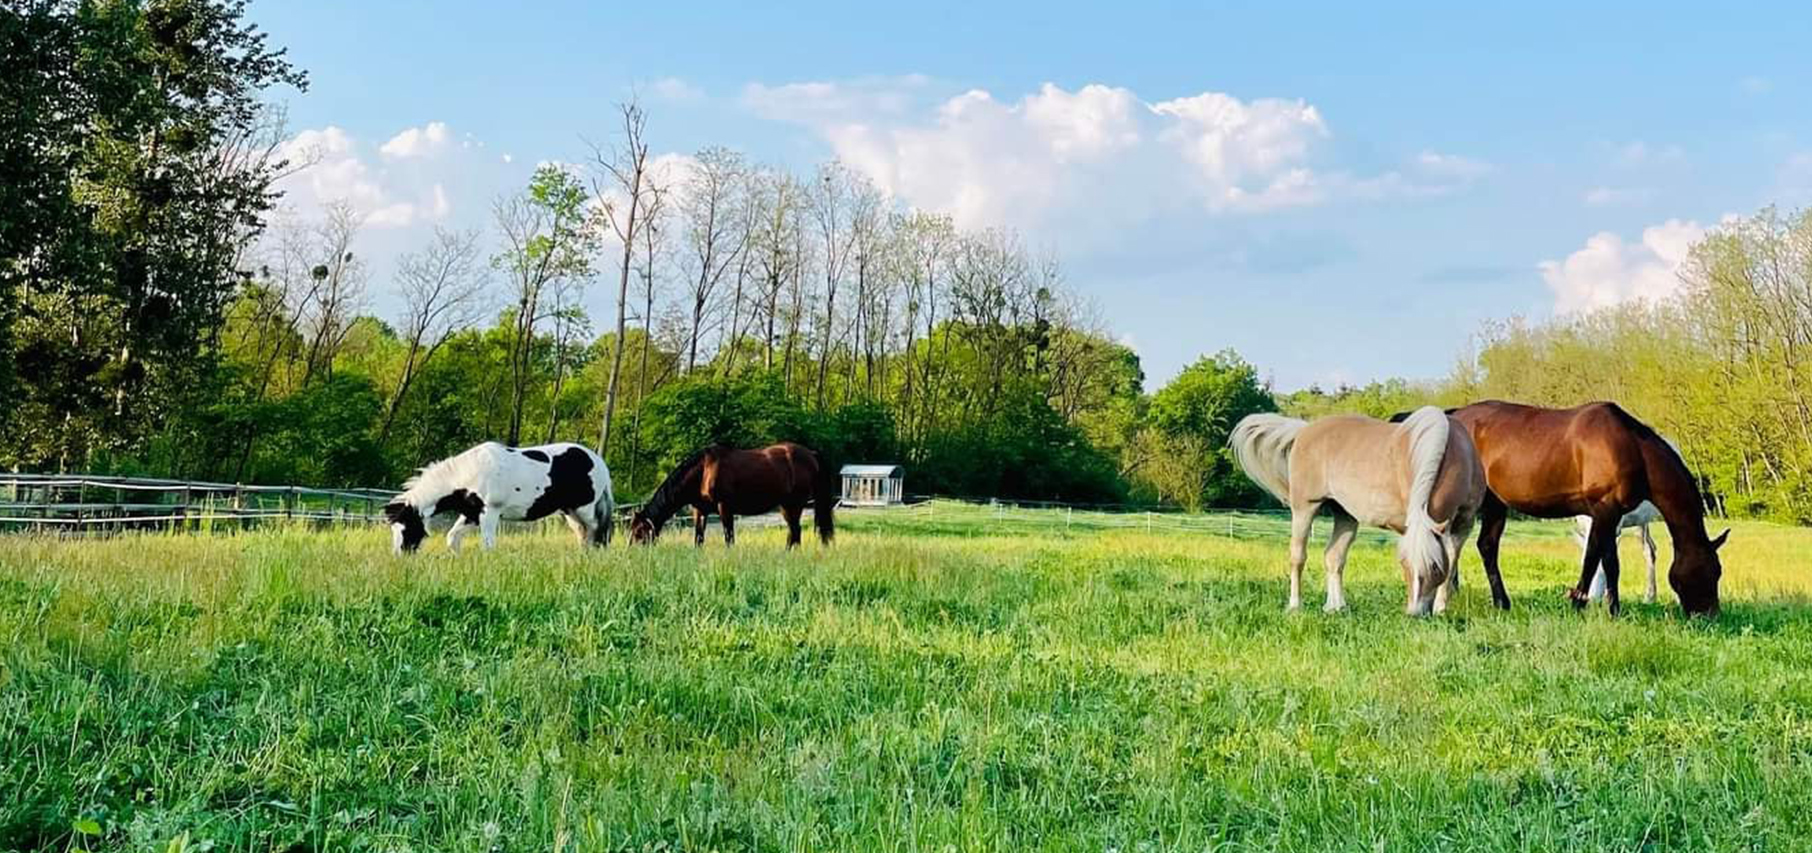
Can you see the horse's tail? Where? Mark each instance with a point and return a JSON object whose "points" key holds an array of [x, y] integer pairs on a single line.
{"points": [[1262, 444], [1421, 548], [824, 500]]}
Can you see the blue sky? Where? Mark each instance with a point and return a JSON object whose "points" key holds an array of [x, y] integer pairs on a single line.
{"points": [[1341, 193]]}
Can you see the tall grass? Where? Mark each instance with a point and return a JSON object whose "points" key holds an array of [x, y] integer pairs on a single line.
{"points": [[926, 684]]}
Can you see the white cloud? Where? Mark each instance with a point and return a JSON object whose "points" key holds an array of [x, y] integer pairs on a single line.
{"points": [[1612, 196], [847, 100], [418, 141], [1639, 155], [1451, 165], [1609, 270], [1064, 163], [674, 89], [1794, 181], [336, 167]]}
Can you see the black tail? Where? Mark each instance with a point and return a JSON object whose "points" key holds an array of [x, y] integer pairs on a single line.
{"points": [[824, 502]]}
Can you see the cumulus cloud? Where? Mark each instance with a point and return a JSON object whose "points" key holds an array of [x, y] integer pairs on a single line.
{"points": [[336, 167], [1639, 154], [1609, 269], [1612, 196], [674, 89], [1061, 162], [418, 141]]}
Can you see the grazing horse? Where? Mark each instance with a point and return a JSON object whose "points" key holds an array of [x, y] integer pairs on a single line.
{"points": [[733, 482], [491, 483], [1640, 518], [1595, 460], [1420, 479]]}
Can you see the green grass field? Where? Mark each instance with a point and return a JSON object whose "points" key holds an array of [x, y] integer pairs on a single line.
{"points": [[936, 681]]}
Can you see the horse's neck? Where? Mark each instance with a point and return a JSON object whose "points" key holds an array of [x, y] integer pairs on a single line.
{"points": [[674, 494], [424, 497], [1673, 492]]}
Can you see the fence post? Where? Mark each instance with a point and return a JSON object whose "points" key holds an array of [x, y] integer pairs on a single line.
{"points": [[1069, 513], [1148, 521]]}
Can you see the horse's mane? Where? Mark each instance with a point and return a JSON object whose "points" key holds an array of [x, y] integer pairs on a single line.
{"points": [[437, 478], [1645, 431], [666, 497]]}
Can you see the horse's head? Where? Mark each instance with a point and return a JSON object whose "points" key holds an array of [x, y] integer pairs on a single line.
{"points": [[1694, 577], [407, 528], [642, 529]]}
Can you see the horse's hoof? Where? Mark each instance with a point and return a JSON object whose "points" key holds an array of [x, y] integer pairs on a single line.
{"points": [[1334, 607]]}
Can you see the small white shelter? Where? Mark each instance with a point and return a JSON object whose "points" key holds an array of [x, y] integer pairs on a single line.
{"points": [[873, 485]]}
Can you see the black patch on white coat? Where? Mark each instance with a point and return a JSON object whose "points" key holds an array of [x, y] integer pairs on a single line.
{"points": [[568, 484], [414, 529], [536, 455], [463, 502]]}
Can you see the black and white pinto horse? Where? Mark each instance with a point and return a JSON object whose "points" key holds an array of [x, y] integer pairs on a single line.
{"points": [[491, 483]]}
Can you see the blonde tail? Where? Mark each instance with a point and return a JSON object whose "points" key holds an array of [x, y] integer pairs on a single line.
{"points": [[1421, 548], [1262, 444]]}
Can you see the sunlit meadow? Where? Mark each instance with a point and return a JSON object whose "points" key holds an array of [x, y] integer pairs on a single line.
{"points": [[937, 681]]}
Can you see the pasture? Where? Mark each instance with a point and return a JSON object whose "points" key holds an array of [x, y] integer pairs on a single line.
{"points": [[949, 680]]}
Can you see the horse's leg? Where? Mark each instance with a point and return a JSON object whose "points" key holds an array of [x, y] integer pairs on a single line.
{"points": [[488, 523], [457, 532], [1648, 550], [1491, 532], [1454, 541], [792, 514], [1601, 551], [1302, 519], [729, 522], [1346, 529], [577, 525], [698, 526]]}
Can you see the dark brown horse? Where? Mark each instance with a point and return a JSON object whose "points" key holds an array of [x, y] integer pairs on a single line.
{"points": [[732, 482], [1595, 460]]}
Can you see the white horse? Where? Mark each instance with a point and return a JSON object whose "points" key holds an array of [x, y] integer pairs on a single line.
{"points": [[1639, 518], [1420, 478], [491, 483]]}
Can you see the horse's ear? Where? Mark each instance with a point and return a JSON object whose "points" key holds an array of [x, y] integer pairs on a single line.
{"points": [[1719, 542]]}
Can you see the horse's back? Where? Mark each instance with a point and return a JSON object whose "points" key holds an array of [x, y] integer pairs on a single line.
{"points": [[1356, 461], [1554, 462], [1364, 464]]}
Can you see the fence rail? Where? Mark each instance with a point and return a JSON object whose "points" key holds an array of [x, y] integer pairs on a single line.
{"points": [[85, 501]]}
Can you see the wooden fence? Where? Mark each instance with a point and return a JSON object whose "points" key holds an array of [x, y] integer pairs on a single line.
{"points": [[85, 501]]}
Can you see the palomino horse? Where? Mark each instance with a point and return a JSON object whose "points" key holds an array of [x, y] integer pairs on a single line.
{"points": [[491, 483], [1420, 479], [1594, 460], [733, 482]]}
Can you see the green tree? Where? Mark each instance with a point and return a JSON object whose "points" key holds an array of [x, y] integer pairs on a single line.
{"points": [[1197, 410], [139, 155]]}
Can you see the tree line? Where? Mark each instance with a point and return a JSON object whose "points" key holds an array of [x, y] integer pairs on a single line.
{"points": [[1721, 367], [163, 314]]}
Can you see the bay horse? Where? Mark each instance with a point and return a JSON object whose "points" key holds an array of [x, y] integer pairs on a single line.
{"points": [[732, 482], [491, 483], [1421, 479], [1595, 460]]}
